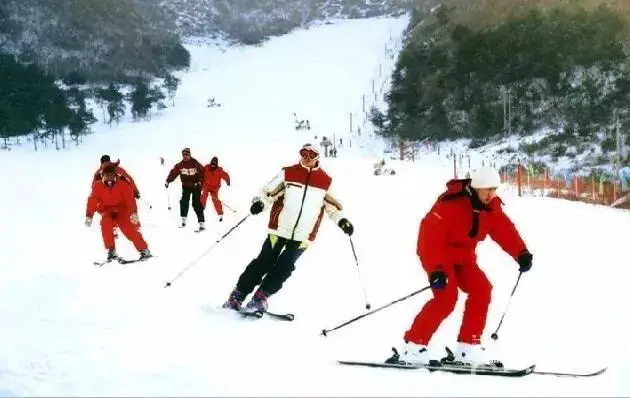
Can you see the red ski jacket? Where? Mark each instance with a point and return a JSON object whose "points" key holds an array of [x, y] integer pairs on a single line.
{"points": [[116, 199], [457, 222], [213, 177]]}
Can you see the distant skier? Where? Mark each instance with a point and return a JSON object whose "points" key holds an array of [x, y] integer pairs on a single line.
{"points": [[448, 236], [113, 195], [299, 195], [213, 174], [191, 173]]}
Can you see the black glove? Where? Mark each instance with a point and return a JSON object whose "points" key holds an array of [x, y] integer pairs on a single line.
{"points": [[137, 195], [346, 226], [257, 207], [438, 279], [166, 185], [525, 261]]}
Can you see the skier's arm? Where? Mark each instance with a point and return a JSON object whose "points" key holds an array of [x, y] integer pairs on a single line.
{"points": [[226, 177], [272, 190], [333, 208], [432, 238], [172, 175], [503, 231], [92, 202]]}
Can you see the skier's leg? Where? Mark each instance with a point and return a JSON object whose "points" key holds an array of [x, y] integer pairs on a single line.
{"points": [[434, 311], [284, 267], [218, 206], [473, 281], [131, 232], [258, 267], [107, 231], [204, 197], [184, 202], [196, 204]]}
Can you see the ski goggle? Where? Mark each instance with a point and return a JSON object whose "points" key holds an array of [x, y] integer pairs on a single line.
{"points": [[309, 153]]}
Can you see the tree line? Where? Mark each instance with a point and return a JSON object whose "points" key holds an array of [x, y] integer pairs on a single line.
{"points": [[34, 104], [563, 68]]}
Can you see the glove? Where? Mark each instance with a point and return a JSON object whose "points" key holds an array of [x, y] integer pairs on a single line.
{"points": [[88, 221], [257, 206], [166, 185], [137, 195], [134, 218], [438, 279], [346, 226], [227, 183], [525, 261]]}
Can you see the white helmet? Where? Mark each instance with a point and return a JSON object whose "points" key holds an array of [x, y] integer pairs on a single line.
{"points": [[485, 177]]}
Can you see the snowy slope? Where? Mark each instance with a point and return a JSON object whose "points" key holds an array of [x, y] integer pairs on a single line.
{"points": [[68, 328]]}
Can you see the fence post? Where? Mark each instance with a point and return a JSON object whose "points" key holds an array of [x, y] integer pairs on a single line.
{"points": [[519, 176], [454, 166]]}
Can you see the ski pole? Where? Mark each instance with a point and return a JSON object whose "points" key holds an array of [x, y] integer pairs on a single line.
{"points": [[495, 336], [168, 199], [356, 261], [195, 261], [325, 331]]}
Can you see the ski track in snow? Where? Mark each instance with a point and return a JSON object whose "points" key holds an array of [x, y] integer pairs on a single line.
{"points": [[69, 328]]}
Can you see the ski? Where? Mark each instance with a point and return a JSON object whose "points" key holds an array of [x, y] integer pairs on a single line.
{"points": [[135, 260], [259, 314], [199, 230], [458, 369], [573, 374], [120, 260]]}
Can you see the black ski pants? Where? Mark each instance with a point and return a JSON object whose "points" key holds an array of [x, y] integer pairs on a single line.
{"points": [[272, 267], [195, 192]]}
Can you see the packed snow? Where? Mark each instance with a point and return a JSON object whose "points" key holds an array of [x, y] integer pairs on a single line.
{"points": [[71, 329]]}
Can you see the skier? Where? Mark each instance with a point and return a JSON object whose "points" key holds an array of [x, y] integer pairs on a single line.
{"points": [[461, 217], [299, 196], [113, 195], [213, 174], [105, 160], [98, 176], [191, 174]]}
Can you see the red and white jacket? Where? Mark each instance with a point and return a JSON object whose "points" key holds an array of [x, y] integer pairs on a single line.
{"points": [[298, 198]]}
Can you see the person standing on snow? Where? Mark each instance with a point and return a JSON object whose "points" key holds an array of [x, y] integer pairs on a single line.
{"points": [[299, 195], [213, 174], [190, 172], [461, 217], [113, 195]]}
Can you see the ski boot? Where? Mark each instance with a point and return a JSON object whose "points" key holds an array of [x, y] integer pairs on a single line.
{"points": [[183, 224], [235, 301], [470, 355], [202, 226], [112, 255], [412, 354], [144, 254], [258, 303]]}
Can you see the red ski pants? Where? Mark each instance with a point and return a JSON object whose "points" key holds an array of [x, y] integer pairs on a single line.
{"points": [[471, 280], [108, 221], [214, 194]]}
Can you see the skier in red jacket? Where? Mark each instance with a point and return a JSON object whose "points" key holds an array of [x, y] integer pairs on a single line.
{"points": [[114, 197], [213, 174], [120, 172], [461, 217]]}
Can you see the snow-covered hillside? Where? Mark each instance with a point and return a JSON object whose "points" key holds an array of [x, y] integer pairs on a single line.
{"points": [[68, 328]]}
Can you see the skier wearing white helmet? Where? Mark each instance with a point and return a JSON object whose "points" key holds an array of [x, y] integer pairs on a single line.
{"points": [[461, 217]]}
